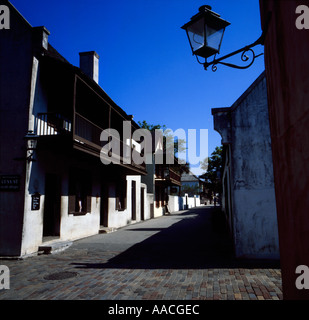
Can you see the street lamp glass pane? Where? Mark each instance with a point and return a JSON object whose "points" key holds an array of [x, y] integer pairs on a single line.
{"points": [[196, 35], [213, 37], [31, 144]]}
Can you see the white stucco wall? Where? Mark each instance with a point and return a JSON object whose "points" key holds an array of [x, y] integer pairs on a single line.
{"points": [[176, 203], [120, 218], [159, 212], [72, 227], [252, 206], [32, 232], [149, 205], [255, 224]]}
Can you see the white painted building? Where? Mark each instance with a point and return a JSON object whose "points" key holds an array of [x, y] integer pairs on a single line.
{"points": [[248, 183], [67, 193]]}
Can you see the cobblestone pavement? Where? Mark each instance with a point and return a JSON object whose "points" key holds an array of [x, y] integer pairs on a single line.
{"points": [[182, 256]]}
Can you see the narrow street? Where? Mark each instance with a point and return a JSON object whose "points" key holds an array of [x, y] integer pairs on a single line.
{"points": [[183, 256]]}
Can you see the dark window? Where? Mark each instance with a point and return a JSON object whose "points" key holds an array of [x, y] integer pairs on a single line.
{"points": [[79, 192], [160, 196], [121, 193]]}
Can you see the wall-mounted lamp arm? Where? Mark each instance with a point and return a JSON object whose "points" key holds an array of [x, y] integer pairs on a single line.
{"points": [[244, 50], [244, 57]]}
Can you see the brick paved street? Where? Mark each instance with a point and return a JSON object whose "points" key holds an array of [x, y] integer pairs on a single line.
{"points": [[182, 256]]}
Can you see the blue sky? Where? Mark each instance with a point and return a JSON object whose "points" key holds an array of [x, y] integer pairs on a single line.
{"points": [[146, 64]]}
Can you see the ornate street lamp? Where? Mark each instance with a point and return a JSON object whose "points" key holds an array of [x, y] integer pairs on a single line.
{"points": [[32, 141], [205, 32]]}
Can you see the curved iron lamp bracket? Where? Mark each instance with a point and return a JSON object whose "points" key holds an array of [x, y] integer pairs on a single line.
{"points": [[244, 57], [244, 51]]}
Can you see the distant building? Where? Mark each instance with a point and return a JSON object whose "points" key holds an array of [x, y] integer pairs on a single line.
{"points": [[191, 184], [162, 180], [248, 182]]}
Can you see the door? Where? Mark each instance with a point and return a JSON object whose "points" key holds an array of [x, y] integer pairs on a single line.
{"points": [[133, 200], [143, 203], [51, 218], [104, 205]]}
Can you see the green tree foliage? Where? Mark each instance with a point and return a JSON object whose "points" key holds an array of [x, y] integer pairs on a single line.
{"points": [[150, 127], [213, 167], [179, 145]]}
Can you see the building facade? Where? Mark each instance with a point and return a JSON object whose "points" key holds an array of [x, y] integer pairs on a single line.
{"points": [[62, 190], [248, 185], [192, 185], [287, 73]]}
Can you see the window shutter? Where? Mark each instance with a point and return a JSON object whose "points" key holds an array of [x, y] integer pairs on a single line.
{"points": [[124, 202], [88, 204], [72, 200]]}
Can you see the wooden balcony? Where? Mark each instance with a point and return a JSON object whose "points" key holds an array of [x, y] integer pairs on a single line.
{"points": [[167, 175], [85, 136], [49, 124]]}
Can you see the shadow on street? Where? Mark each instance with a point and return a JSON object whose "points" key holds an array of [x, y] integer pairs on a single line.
{"points": [[199, 240]]}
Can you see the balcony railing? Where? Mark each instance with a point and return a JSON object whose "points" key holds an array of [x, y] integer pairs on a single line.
{"points": [[87, 130], [174, 176], [87, 135], [168, 175], [48, 124]]}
